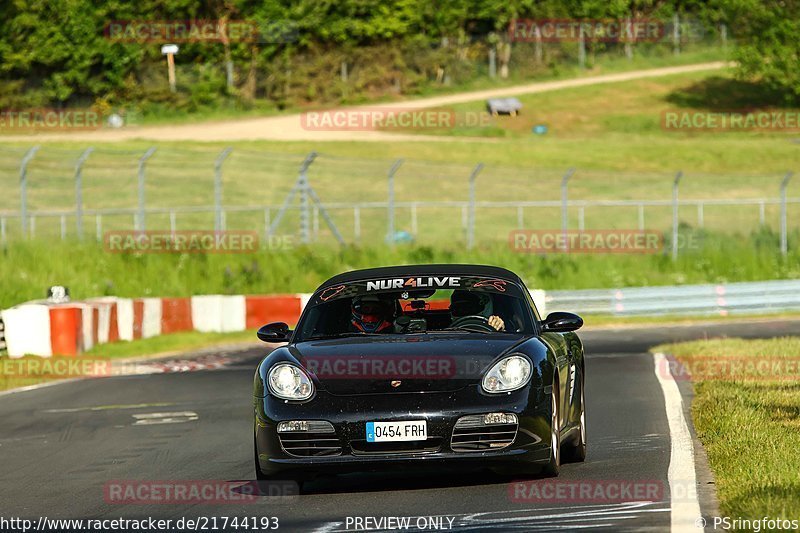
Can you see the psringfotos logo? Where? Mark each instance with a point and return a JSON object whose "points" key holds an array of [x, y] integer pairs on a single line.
{"points": [[764, 523], [181, 242]]}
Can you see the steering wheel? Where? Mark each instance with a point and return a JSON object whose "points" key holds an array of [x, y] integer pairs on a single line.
{"points": [[476, 321]]}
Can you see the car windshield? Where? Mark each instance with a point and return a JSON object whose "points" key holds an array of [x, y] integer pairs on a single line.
{"points": [[389, 307]]}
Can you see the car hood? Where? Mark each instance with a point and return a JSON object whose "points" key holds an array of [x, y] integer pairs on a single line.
{"points": [[402, 363]]}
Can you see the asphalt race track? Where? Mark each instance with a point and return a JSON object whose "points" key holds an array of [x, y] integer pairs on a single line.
{"points": [[61, 445]]}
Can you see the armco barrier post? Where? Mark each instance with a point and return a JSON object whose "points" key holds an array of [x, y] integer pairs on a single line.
{"points": [[471, 227], [675, 183], [142, 161], [218, 188], [784, 239], [23, 188], [390, 203], [79, 191]]}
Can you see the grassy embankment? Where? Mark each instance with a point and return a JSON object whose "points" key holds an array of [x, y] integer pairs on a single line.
{"points": [[747, 415]]}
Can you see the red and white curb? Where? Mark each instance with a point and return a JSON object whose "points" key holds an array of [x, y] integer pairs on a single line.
{"points": [[45, 329]]}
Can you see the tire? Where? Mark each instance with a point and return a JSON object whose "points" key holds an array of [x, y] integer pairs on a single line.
{"points": [[553, 466], [575, 451], [261, 476]]}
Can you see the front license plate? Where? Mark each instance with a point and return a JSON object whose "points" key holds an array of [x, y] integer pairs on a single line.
{"points": [[397, 431]]}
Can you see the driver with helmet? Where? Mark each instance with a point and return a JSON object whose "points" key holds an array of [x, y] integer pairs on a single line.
{"points": [[465, 303], [371, 314]]}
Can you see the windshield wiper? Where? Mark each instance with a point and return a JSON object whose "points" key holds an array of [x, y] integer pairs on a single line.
{"points": [[345, 334], [467, 329]]}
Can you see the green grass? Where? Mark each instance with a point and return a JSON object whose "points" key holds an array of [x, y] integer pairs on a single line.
{"points": [[609, 133], [602, 320], [174, 342], [750, 426], [28, 268], [153, 114], [32, 370]]}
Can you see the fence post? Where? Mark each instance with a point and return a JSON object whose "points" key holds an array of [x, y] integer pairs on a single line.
{"points": [[79, 191], [98, 226], [23, 187], [63, 227], [357, 223], [784, 237], [3, 230], [675, 183], [390, 214], [700, 215], [218, 188], [676, 34], [471, 228], [564, 201], [142, 161], [305, 229], [641, 217], [173, 223]]}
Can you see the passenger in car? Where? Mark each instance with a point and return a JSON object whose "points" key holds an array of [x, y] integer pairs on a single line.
{"points": [[464, 303]]}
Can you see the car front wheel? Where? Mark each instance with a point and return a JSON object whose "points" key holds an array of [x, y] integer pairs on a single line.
{"points": [[554, 464]]}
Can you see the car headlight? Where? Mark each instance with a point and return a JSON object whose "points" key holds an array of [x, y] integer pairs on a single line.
{"points": [[510, 373], [289, 382]]}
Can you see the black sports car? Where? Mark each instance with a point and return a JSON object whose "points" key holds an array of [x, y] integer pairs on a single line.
{"points": [[420, 366]]}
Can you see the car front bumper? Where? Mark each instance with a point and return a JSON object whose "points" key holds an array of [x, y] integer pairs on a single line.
{"points": [[348, 416]]}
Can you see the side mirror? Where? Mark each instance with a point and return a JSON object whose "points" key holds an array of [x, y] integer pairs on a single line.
{"points": [[274, 332], [561, 322]]}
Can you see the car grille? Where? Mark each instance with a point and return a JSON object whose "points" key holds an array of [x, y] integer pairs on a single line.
{"points": [[320, 440], [362, 447], [470, 434]]}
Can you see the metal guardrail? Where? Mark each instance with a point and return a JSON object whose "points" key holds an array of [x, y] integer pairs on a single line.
{"points": [[709, 299]]}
